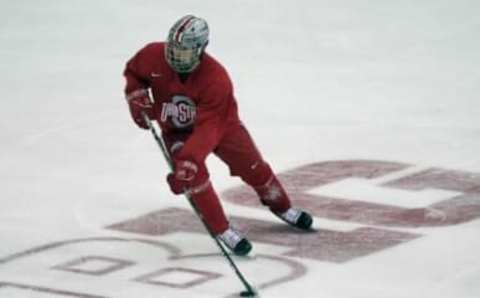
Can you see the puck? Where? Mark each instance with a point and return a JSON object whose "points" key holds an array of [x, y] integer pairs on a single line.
{"points": [[247, 294]]}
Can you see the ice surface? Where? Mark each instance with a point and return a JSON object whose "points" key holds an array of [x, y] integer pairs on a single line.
{"points": [[316, 81]]}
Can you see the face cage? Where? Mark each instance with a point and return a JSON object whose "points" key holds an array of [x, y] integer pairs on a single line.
{"points": [[182, 60]]}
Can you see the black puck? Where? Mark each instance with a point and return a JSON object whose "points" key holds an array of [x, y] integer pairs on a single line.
{"points": [[248, 294]]}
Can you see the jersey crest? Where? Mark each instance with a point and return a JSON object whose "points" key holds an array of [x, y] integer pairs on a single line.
{"points": [[181, 112]]}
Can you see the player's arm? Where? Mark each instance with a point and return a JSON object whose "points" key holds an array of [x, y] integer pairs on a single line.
{"points": [[212, 113], [136, 87]]}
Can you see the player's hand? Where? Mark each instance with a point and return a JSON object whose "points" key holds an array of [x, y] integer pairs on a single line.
{"points": [[182, 179], [139, 101]]}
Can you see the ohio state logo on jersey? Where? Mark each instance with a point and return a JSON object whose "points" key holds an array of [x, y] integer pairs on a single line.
{"points": [[181, 112]]}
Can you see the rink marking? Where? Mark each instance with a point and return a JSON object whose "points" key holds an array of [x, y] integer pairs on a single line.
{"points": [[178, 277], [366, 190], [355, 204], [171, 268], [94, 265], [384, 194], [24, 290], [321, 245]]}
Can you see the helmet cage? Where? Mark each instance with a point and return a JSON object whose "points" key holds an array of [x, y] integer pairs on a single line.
{"points": [[186, 43], [183, 60]]}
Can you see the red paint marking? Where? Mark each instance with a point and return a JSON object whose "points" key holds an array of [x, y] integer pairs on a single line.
{"points": [[299, 181], [323, 245]]}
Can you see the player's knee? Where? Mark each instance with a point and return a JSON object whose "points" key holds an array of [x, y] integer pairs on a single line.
{"points": [[257, 173]]}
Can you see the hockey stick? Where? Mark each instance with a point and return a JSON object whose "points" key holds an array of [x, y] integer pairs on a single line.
{"points": [[249, 290]]}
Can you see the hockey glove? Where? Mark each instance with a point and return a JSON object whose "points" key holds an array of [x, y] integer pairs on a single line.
{"points": [[183, 178], [138, 102]]}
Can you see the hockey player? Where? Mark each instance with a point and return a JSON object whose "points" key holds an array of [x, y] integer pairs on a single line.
{"points": [[194, 104]]}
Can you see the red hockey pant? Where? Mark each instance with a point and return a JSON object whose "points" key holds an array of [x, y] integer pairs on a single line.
{"points": [[237, 149]]}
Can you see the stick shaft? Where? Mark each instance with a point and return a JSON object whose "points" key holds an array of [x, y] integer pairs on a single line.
{"points": [[169, 160]]}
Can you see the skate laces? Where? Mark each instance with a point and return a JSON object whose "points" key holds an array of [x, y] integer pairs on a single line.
{"points": [[291, 215], [231, 237]]}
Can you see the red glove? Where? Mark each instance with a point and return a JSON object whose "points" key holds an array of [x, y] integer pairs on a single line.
{"points": [[183, 178], [139, 101]]}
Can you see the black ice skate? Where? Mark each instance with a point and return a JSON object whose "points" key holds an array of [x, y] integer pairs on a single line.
{"points": [[297, 218], [236, 242]]}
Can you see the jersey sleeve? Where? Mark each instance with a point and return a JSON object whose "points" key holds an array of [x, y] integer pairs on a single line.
{"points": [[136, 71], [212, 114]]}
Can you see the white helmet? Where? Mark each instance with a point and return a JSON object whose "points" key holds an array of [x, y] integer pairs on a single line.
{"points": [[186, 43]]}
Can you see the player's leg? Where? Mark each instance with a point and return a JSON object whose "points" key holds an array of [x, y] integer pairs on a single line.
{"points": [[208, 204], [237, 149]]}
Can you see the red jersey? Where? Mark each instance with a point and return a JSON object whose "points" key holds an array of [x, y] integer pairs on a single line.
{"points": [[202, 106]]}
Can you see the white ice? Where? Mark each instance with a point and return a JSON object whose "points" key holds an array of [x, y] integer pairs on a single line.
{"points": [[315, 81]]}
